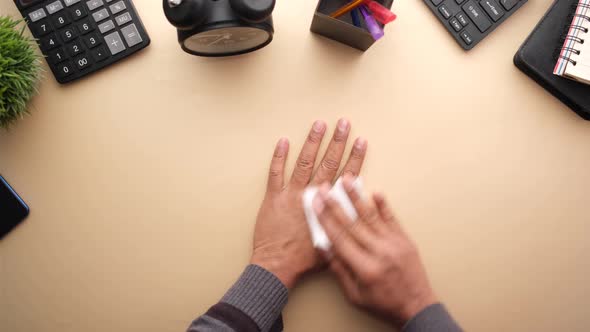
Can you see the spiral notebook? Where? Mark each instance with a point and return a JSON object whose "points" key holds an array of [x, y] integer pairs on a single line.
{"points": [[574, 56], [538, 55]]}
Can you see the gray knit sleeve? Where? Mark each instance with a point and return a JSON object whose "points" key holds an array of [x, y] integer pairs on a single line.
{"points": [[434, 318], [260, 295]]}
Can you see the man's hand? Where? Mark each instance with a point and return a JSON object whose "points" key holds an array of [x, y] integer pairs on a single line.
{"points": [[282, 242], [377, 265]]}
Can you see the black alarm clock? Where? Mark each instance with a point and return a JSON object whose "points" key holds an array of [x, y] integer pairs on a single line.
{"points": [[221, 27]]}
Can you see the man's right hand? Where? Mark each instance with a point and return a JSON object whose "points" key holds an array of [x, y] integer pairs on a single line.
{"points": [[377, 265]]}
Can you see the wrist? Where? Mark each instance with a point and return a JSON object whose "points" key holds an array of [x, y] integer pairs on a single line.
{"points": [[278, 267], [414, 306]]}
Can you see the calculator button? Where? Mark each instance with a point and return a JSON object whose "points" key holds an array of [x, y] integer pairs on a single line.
{"points": [[41, 28], [74, 48], [78, 12], [445, 11], [61, 21], [71, 2], [493, 9], [114, 43], [459, 1], [54, 7], [508, 4], [99, 54], [436, 2], [91, 40], [82, 62], [122, 19], [93, 4], [85, 27], [68, 34], [117, 7], [477, 16], [455, 24], [65, 69], [49, 42], [106, 26], [131, 35], [462, 19], [38, 14], [466, 38], [100, 15], [57, 56]]}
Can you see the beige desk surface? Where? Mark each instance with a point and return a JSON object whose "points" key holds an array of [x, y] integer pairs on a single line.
{"points": [[144, 179]]}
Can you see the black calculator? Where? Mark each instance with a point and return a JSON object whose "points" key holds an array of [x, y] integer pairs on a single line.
{"points": [[79, 37], [470, 21]]}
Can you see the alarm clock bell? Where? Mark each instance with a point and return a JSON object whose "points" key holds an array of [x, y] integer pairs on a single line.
{"points": [[221, 27]]}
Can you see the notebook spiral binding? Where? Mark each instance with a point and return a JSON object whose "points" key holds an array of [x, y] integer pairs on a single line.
{"points": [[575, 38]]}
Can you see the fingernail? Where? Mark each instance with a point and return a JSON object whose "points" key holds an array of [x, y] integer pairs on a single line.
{"points": [[324, 191], [360, 143], [318, 126], [282, 144], [318, 205], [343, 125], [347, 182]]}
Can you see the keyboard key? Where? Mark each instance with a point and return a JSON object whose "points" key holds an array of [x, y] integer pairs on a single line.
{"points": [[61, 20], [436, 2], [65, 69], [67, 35], [85, 27], [93, 4], [99, 54], [455, 24], [100, 15], [74, 48], [78, 12], [477, 15], [91, 40], [82, 62], [466, 38], [54, 7], [49, 42], [131, 35], [114, 43], [445, 11], [462, 19], [117, 7], [493, 9], [38, 14], [106, 26], [41, 28], [57, 56], [508, 4], [123, 19], [71, 2]]}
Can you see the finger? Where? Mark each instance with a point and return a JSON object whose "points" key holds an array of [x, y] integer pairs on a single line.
{"points": [[331, 161], [357, 157], [368, 213], [277, 166], [343, 245], [357, 230], [385, 211], [346, 280], [306, 159]]}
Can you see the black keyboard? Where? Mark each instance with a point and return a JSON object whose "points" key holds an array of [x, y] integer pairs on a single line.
{"points": [[79, 37], [470, 21]]}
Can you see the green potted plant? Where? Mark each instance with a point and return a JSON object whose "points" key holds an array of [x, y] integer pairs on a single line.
{"points": [[20, 69]]}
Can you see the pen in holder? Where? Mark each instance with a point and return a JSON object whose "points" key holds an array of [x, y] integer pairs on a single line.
{"points": [[345, 28]]}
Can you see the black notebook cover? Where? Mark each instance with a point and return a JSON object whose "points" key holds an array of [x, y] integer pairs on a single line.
{"points": [[536, 58]]}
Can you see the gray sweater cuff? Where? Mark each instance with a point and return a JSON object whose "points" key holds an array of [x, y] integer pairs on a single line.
{"points": [[258, 294], [434, 318]]}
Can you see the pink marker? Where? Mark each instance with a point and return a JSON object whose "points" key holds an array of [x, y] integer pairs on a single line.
{"points": [[380, 12]]}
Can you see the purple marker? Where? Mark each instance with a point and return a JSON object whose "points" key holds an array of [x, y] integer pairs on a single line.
{"points": [[372, 25]]}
